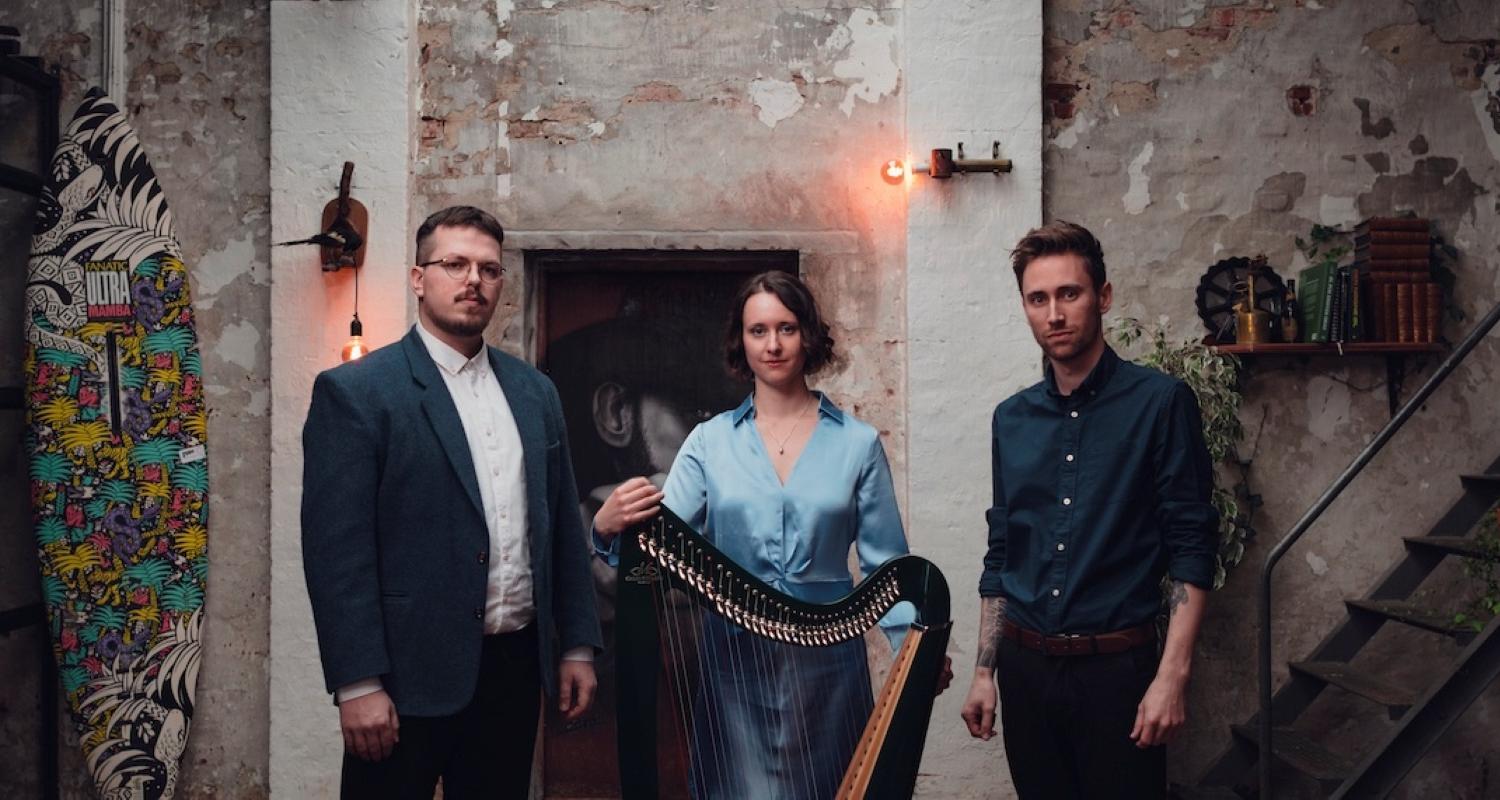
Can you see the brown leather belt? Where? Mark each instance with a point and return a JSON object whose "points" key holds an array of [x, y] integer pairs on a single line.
{"points": [[1079, 644]]}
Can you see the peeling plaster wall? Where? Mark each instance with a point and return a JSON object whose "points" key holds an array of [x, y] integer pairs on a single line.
{"points": [[1183, 133], [197, 84], [681, 125]]}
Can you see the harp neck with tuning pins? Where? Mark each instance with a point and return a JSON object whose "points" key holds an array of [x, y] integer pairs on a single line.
{"points": [[683, 605]]}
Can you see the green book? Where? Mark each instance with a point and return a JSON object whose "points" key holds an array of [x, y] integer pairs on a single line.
{"points": [[1315, 289]]}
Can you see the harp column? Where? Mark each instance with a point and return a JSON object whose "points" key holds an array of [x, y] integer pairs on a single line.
{"points": [[973, 74]]}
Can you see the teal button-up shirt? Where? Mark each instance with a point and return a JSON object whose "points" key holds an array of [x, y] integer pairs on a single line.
{"points": [[1097, 494]]}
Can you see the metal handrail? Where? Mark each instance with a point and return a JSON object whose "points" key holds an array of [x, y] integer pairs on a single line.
{"points": [[1344, 479]]}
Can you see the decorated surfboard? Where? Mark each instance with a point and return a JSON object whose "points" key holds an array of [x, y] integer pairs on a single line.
{"points": [[116, 438]]}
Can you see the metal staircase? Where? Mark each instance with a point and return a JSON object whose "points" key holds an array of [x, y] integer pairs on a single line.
{"points": [[1423, 715]]}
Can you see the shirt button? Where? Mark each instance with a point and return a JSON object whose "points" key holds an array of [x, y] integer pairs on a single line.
{"points": [[1067, 501], [1056, 592], [1069, 457], [1073, 414], [1061, 547], [479, 610], [484, 558]]}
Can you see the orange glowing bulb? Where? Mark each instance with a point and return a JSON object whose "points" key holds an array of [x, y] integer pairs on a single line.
{"points": [[355, 347], [894, 171]]}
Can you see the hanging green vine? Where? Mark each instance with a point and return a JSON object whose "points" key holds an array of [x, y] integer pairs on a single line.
{"points": [[1214, 378]]}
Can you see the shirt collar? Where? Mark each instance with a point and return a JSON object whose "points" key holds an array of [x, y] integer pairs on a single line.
{"points": [[449, 360], [826, 408], [1098, 377]]}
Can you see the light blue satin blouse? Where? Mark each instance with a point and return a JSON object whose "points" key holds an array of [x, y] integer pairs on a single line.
{"points": [[796, 536]]}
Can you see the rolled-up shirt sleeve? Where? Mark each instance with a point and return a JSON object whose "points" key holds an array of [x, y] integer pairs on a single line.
{"points": [[998, 517], [1184, 488]]}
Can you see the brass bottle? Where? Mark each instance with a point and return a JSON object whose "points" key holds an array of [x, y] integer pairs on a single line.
{"points": [[1253, 325]]}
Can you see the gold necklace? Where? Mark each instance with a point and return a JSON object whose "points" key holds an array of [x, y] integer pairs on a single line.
{"points": [[781, 445]]}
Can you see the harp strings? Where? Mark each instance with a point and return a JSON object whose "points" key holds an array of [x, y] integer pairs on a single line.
{"points": [[750, 691]]}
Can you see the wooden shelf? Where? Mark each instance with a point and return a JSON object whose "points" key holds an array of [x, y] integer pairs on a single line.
{"points": [[1394, 353], [1346, 349]]}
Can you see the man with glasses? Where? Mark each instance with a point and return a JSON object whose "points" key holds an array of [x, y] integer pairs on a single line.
{"points": [[444, 553]]}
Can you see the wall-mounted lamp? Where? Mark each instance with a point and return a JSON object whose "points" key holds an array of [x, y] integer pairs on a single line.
{"points": [[346, 223], [943, 165]]}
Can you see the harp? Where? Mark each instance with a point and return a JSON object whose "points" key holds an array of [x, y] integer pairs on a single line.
{"points": [[679, 597]]}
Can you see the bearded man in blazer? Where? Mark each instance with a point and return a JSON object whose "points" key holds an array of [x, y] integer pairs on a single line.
{"points": [[442, 544]]}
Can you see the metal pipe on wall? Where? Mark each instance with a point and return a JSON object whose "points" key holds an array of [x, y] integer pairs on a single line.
{"points": [[112, 54]]}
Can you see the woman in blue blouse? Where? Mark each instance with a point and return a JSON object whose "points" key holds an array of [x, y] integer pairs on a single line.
{"points": [[784, 485]]}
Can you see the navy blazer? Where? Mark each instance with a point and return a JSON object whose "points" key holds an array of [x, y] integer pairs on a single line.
{"points": [[394, 541]]}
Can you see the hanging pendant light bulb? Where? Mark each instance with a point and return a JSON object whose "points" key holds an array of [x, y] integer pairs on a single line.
{"points": [[355, 347]]}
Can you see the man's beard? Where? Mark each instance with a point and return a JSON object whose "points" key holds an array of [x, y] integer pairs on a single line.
{"points": [[461, 326]]}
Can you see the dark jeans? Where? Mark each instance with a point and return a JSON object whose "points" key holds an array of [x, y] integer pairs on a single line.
{"points": [[482, 751], [1067, 722]]}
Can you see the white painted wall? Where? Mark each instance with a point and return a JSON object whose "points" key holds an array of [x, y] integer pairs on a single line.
{"points": [[340, 90], [973, 74]]}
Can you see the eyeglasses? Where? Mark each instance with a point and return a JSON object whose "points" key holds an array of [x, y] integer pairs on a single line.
{"points": [[458, 269]]}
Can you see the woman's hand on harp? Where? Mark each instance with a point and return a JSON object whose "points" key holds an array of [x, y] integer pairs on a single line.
{"points": [[945, 677], [631, 503]]}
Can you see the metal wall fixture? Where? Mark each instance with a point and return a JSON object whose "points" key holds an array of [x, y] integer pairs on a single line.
{"points": [[341, 243], [943, 165]]}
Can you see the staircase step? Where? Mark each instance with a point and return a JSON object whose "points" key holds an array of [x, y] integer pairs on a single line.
{"points": [[1481, 479], [1302, 754], [1453, 545], [1414, 615], [1396, 699]]}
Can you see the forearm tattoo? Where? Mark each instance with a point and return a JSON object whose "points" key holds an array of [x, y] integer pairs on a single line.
{"points": [[1177, 596], [991, 613]]}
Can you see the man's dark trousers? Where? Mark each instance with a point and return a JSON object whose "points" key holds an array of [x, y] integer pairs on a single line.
{"points": [[1067, 720], [483, 751]]}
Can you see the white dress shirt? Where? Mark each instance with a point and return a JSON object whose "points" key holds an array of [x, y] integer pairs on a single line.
{"points": [[499, 467]]}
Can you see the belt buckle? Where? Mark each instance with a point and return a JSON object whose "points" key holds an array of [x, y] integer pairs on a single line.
{"points": [[1066, 647]]}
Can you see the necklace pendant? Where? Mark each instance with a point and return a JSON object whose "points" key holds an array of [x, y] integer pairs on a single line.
{"points": [[781, 451]]}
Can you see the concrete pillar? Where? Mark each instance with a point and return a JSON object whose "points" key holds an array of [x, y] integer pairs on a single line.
{"points": [[973, 74], [340, 91]]}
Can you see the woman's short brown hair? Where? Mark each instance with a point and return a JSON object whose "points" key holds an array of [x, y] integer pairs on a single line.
{"points": [[1056, 238], [817, 342]]}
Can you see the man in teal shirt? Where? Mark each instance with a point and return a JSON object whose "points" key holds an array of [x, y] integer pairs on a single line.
{"points": [[1101, 487]]}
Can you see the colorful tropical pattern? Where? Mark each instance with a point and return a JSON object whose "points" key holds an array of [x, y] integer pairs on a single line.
{"points": [[116, 437]]}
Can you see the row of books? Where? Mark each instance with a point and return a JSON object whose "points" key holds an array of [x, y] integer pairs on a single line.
{"points": [[1386, 295], [1394, 255], [1345, 304]]}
